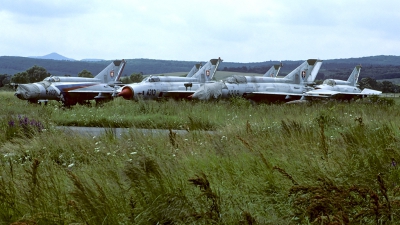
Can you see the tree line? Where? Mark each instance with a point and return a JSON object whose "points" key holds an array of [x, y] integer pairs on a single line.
{"points": [[339, 71], [13, 65], [38, 73]]}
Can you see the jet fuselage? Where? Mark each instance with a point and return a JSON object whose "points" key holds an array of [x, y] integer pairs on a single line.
{"points": [[338, 88], [337, 85], [61, 91], [278, 90], [157, 87]]}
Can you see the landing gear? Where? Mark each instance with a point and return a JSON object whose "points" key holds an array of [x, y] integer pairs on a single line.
{"points": [[33, 101], [68, 102], [101, 101]]}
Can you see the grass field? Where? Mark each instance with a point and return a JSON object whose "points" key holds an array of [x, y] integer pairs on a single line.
{"points": [[317, 163]]}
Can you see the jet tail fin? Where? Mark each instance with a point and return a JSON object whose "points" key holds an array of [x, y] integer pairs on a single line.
{"points": [[273, 71], [314, 66], [207, 72], [112, 72], [306, 72], [194, 70], [353, 78]]}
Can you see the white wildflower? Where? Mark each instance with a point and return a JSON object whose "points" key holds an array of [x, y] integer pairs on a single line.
{"points": [[8, 155]]}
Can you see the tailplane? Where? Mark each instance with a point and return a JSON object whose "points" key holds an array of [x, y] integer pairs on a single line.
{"points": [[273, 71], [353, 78], [112, 72]]}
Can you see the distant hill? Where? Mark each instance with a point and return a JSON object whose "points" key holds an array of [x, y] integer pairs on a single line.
{"points": [[377, 67], [54, 56]]}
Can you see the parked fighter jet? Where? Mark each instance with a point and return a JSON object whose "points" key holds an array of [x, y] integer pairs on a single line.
{"points": [[214, 90], [155, 87], [340, 89], [267, 89], [72, 90]]}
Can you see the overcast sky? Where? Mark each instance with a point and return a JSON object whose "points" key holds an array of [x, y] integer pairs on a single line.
{"points": [[191, 30]]}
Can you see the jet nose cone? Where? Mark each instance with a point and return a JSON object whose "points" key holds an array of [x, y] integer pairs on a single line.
{"points": [[126, 93], [27, 91], [20, 92]]}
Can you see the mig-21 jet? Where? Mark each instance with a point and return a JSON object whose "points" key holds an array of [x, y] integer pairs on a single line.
{"points": [[267, 89], [214, 90], [72, 90], [156, 87], [340, 89]]}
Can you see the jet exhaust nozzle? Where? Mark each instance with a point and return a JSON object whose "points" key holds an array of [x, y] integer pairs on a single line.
{"points": [[126, 93]]}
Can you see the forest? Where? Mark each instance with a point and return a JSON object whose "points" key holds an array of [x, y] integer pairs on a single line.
{"points": [[385, 69]]}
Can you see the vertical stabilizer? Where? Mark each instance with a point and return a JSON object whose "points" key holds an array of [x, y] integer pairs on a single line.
{"points": [[194, 70], [306, 72], [112, 72], [353, 79], [313, 68], [206, 72], [273, 71], [215, 63], [296, 74]]}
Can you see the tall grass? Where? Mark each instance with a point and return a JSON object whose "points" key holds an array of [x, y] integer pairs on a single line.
{"points": [[321, 163]]}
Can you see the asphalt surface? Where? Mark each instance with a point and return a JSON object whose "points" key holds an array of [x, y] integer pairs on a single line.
{"points": [[117, 132]]}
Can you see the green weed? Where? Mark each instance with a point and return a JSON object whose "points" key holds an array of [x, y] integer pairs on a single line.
{"points": [[321, 163]]}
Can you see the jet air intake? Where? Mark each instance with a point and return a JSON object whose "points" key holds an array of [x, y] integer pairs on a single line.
{"points": [[27, 91]]}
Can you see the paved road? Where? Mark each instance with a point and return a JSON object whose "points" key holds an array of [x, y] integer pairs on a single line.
{"points": [[118, 132]]}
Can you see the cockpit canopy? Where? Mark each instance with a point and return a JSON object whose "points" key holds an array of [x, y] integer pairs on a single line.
{"points": [[52, 79], [236, 79], [329, 82], [151, 79]]}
